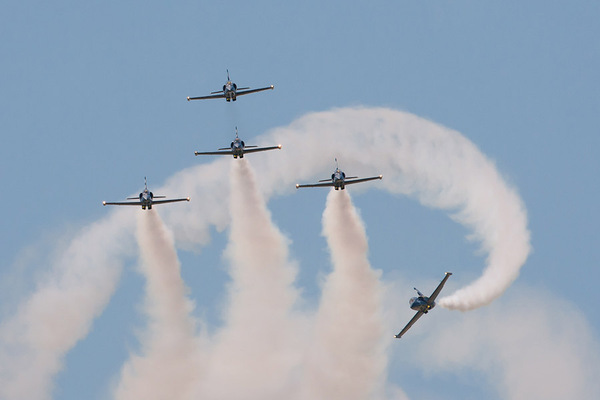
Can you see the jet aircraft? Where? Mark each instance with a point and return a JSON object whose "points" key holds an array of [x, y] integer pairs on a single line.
{"points": [[146, 199], [338, 180], [237, 148], [423, 304], [230, 91]]}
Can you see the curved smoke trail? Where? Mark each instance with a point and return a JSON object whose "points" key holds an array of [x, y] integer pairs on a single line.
{"points": [[438, 166], [171, 353], [418, 158], [347, 356]]}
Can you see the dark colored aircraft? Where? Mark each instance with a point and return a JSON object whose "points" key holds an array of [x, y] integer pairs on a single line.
{"points": [[423, 304], [339, 180], [237, 149], [230, 91], [146, 199]]}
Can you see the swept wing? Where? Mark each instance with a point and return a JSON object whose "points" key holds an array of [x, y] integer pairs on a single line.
{"points": [[439, 288], [410, 323]]}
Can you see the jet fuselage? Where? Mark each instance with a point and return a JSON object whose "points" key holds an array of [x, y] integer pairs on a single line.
{"points": [[338, 178], [421, 304], [237, 148], [146, 199], [230, 91]]}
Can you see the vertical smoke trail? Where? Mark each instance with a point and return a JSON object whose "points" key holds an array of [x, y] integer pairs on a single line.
{"points": [[60, 312], [347, 359], [254, 354], [171, 356]]}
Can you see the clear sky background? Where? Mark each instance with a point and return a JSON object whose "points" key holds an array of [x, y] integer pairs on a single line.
{"points": [[93, 99]]}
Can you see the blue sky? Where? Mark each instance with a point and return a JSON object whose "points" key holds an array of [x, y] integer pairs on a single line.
{"points": [[93, 100]]}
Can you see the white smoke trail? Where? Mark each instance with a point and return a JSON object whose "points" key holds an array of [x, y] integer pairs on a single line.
{"points": [[60, 312], [438, 166], [347, 359], [255, 352], [171, 355]]}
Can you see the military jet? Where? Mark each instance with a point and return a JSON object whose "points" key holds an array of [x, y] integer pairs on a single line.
{"points": [[423, 304], [146, 199], [338, 180], [237, 148], [230, 91]]}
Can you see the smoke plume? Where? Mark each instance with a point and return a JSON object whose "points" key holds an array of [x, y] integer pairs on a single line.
{"points": [[59, 313], [347, 358], [170, 359], [437, 166], [256, 348]]}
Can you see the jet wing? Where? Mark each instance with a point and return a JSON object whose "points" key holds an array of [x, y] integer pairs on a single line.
{"points": [[227, 152], [410, 323], [212, 96], [439, 288], [122, 203], [348, 182], [139, 203], [169, 201], [330, 183], [255, 149], [242, 92]]}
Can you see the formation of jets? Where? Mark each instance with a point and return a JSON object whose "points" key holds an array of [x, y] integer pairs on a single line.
{"points": [[146, 199], [423, 304], [236, 149]]}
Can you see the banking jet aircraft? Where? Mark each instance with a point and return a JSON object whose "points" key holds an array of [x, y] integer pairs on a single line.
{"points": [[230, 91], [146, 199], [423, 304], [338, 180], [237, 149]]}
